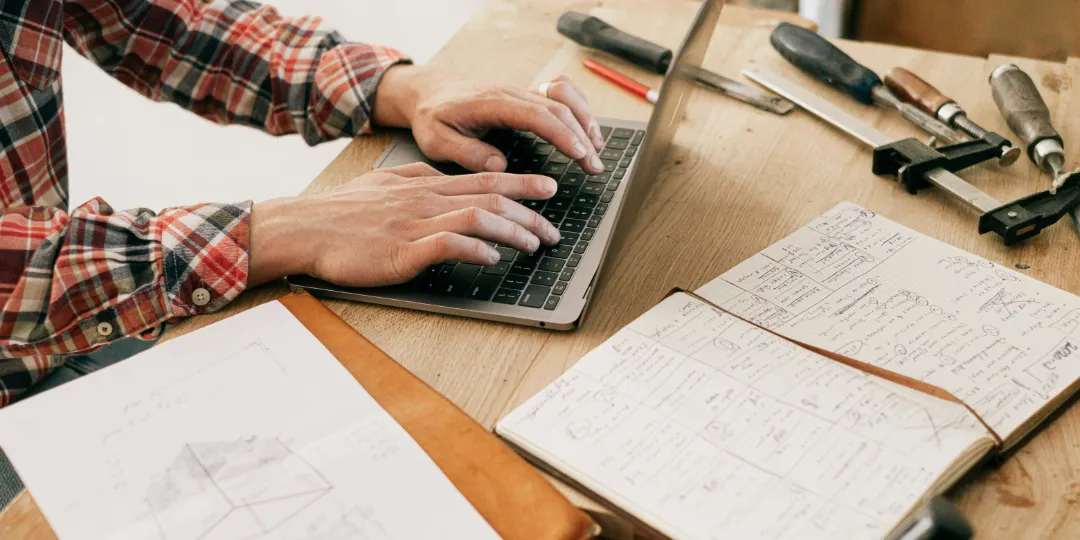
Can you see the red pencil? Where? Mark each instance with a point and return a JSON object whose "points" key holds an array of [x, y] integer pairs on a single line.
{"points": [[636, 88]]}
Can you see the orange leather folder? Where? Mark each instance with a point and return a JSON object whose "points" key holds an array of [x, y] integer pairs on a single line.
{"points": [[512, 496]]}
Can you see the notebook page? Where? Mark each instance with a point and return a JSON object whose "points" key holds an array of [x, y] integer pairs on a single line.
{"points": [[704, 426], [860, 285], [248, 428]]}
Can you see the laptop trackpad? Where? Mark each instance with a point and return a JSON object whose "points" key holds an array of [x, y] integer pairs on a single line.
{"points": [[405, 151]]}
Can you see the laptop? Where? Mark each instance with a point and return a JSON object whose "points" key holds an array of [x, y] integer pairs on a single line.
{"points": [[551, 288]]}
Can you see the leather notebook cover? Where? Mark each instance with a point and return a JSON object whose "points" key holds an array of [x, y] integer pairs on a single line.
{"points": [[512, 496]]}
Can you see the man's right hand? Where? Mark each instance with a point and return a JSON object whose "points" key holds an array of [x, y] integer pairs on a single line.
{"points": [[388, 225]]}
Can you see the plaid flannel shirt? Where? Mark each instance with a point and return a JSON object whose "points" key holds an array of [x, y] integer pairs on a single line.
{"points": [[72, 282]]}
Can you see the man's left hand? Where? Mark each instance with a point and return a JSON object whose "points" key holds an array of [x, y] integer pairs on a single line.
{"points": [[448, 116]]}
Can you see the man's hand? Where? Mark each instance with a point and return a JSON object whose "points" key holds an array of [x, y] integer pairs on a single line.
{"points": [[388, 225], [448, 115]]}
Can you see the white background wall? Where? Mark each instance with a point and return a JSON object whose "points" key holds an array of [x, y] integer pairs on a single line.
{"points": [[137, 153]]}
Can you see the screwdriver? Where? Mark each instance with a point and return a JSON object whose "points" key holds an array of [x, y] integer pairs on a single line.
{"points": [[815, 55], [1028, 117], [916, 91]]}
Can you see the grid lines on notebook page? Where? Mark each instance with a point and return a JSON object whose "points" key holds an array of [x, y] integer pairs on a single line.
{"points": [[702, 425]]}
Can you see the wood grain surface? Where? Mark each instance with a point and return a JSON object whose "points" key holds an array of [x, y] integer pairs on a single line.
{"points": [[738, 179]]}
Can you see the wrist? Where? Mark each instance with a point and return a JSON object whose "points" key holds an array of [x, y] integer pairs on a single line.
{"points": [[277, 247], [398, 94]]}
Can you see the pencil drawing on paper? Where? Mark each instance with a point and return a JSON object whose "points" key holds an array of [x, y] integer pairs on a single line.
{"points": [[249, 488]]}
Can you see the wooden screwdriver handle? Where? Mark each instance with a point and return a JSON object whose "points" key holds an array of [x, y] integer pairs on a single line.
{"points": [[915, 91]]}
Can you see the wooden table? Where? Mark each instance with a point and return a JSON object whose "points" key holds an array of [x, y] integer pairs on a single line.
{"points": [[738, 180]]}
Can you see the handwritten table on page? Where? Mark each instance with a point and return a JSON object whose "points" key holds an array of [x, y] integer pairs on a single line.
{"points": [[865, 287], [249, 428]]}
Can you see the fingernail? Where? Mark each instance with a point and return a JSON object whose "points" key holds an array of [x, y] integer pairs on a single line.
{"points": [[596, 163], [533, 243], [495, 163], [597, 137], [493, 256], [579, 150], [551, 186], [553, 235]]}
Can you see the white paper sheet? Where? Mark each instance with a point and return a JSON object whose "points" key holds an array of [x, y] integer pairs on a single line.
{"points": [[858, 284], [246, 429], [704, 426]]}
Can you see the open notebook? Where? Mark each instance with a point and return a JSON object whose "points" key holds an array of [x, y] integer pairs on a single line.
{"points": [[823, 388]]}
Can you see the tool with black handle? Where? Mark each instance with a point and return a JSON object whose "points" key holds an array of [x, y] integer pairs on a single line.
{"points": [[591, 32], [916, 91], [916, 165], [814, 54]]}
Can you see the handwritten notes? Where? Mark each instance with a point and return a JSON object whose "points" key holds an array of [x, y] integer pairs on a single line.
{"points": [[705, 426], [246, 429], [860, 285]]}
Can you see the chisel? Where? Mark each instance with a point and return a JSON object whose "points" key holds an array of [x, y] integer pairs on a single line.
{"points": [[818, 57], [914, 90], [594, 33]]}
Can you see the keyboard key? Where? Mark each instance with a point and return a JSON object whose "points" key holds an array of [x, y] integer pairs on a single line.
{"points": [[550, 264], [613, 185], [625, 162], [592, 189], [575, 168], [605, 131], [554, 216], [638, 137], [619, 174], [595, 221], [622, 133], [572, 225], [506, 296], [552, 303], [609, 164], [572, 180], [534, 296], [523, 268], [515, 282], [496, 269], [558, 157], [530, 258], [587, 234], [534, 205], [573, 261], [578, 212], [567, 238], [610, 153], [559, 203], [484, 287], [631, 152], [546, 279], [566, 191], [584, 199], [600, 209], [542, 149], [606, 197], [560, 287], [461, 279], [559, 251], [506, 254], [567, 274], [527, 136], [599, 178], [581, 247], [442, 280], [618, 144], [553, 169]]}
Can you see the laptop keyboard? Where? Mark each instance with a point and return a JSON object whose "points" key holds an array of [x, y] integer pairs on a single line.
{"points": [[539, 280]]}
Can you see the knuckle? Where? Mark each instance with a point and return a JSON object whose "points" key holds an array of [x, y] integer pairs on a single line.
{"points": [[559, 109], [441, 246], [473, 217], [496, 203], [487, 181]]}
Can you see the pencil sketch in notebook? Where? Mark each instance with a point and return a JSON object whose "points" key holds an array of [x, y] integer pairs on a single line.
{"points": [[246, 429], [705, 426], [860, 285]]}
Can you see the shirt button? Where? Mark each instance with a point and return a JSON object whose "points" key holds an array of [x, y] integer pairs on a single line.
{"points": [[104, 329], [200, 297]]}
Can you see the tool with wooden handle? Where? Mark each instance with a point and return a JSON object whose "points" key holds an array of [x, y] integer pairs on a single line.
{"points": [[594, 33], [914, 90], [818, 57]]}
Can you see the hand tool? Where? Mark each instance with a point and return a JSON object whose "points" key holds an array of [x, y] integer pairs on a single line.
{"points": [[591, 32], [818, 57], [916, 91], [1029, 118], [636, 88], [917, 165]]}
